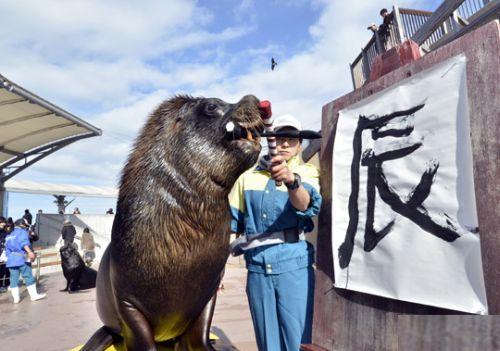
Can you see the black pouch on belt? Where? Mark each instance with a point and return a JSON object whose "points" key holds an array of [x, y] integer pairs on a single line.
{"points": [[291, 235]]}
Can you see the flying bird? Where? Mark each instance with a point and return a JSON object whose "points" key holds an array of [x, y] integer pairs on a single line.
{"points": [[273, 63]]}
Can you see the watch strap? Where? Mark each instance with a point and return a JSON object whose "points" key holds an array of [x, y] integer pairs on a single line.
{"points": [[295, 184]]}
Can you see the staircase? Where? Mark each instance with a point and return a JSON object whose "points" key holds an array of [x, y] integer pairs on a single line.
{"points": [[47, 261]]}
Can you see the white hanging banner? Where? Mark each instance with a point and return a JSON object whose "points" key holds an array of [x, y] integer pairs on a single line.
{"points": [[404, 221]]}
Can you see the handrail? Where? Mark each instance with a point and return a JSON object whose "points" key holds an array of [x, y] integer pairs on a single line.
{"points": [[38, 258], [415, 12], [38, 255], [438, 17], [491, 12]]}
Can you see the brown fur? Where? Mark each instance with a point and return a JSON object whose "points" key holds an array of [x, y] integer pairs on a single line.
{"points": [[171, 231]]}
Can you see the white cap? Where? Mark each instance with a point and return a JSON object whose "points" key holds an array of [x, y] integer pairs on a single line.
{"points": [[287, 121]]}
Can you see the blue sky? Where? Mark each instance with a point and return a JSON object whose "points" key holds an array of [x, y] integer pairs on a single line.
{"points": [[112, 62]]}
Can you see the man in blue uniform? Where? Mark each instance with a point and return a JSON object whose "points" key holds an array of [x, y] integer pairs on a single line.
{"points": [[274, 219], [17, 245]]}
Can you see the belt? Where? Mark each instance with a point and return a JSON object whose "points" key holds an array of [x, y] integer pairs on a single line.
{"points": [[243, 243], [291, 235]]}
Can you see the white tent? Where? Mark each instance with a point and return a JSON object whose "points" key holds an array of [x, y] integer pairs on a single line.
{"points": [[29, 187], [32, 128]]}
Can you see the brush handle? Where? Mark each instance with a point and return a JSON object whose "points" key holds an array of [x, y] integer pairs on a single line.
{"points": [[266, 115], [303, 134]]}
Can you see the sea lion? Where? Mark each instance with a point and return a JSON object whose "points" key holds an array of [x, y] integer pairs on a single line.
{"points": [[170, 238], [78, 275]]}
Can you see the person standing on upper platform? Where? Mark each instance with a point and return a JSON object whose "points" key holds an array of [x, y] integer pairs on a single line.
{"points": [[274, 220]]}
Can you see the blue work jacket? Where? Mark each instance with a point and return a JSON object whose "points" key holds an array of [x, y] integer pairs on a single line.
{"points": [[14, 247], [259, 206]]}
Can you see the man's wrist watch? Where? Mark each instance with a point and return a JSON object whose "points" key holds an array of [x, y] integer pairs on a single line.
{"points": [[295, 184]]}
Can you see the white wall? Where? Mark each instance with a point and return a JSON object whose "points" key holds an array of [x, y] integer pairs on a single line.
{"points": [[49, 230]]}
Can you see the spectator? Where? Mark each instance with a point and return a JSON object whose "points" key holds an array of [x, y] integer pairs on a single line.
{"points": [[4, 272], [273, 221], [10, 225], [28, 216], [110, 211], [17, 245], [32, 233], [68, 232], [76, 211], [88, 246], [384, 29]]}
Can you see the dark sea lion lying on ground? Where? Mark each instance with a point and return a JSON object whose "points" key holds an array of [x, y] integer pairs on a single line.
{"points": [[78, 275], [170, 238]]}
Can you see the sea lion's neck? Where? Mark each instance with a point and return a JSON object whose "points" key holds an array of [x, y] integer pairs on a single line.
{"points": [[171, 207]]}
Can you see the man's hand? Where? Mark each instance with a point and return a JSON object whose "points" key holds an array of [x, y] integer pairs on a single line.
{"points": [[279, 170], [31, 255]]}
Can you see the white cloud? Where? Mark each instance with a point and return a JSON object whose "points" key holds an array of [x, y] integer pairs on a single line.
{"points": [[61, 29], [99, 160], [202, 37], [98, 53], [303, 83]]}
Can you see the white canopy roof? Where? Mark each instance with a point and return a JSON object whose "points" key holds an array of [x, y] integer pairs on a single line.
{"points": [[32, 126], [25, 186]]}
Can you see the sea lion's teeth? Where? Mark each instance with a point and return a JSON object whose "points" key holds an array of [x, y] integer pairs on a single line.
{"points": [[230, 126]]}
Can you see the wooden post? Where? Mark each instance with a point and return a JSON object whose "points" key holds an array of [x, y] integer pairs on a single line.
{"points": [[398, 23], [3, 200], [378, 44], [366, 65], [352, 76]]}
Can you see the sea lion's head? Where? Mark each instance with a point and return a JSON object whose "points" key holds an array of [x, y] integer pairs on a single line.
{"points": [[69, 255], [185, 139]]}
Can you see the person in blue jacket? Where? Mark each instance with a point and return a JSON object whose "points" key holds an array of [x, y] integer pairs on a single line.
{"points": [[273, 220], [17, 246]]}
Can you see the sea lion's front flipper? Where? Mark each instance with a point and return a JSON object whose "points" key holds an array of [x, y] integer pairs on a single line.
{"points": [[102, 339], [67, 286], [72, 285], [136, 328], [197, 336]]}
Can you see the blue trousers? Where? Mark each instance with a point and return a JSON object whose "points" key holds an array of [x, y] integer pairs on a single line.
{"points": [[281, 307], [25, 271]]}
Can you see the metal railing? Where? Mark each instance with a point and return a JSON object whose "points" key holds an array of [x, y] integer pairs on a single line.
{"points": [[401, 19], [470, 7], [405, 24], [36, 264], [452, 21]]}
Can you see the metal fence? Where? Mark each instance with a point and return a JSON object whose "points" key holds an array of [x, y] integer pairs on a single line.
{"points": [[35, 265], [401, 19], [470, 7], [404, 25]]}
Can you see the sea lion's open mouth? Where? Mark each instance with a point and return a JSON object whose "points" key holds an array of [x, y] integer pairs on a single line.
{"points": [[243, 131]]}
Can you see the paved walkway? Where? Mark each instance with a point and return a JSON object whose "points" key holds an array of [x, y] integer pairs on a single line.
{"points": [[63, 321]]}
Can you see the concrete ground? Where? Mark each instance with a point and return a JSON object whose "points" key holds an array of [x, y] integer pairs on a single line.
{"points": [[63, 321]]}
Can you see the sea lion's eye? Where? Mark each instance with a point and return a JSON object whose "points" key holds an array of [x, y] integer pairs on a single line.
{"points": [[210, 108]]}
